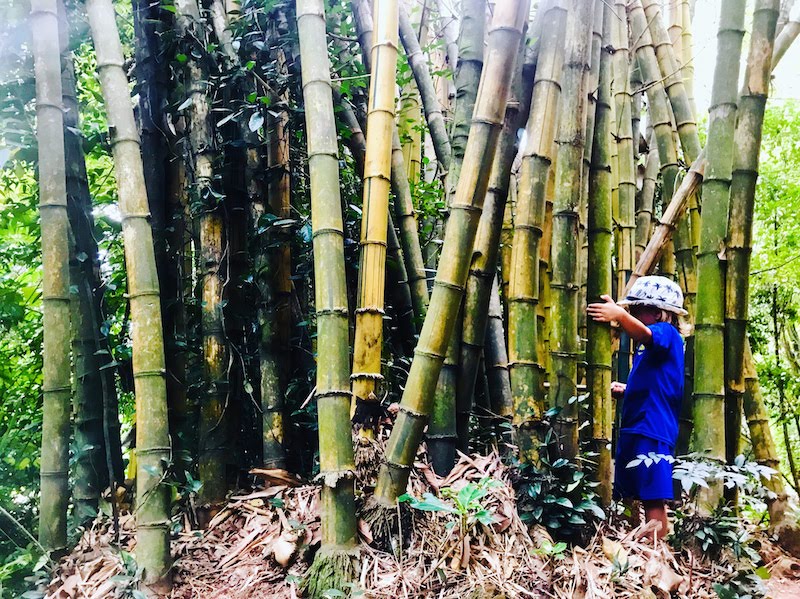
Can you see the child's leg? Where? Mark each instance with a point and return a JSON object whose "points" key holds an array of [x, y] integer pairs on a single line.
{"points": [[656, 509]]}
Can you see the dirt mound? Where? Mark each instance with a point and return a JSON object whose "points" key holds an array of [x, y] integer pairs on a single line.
{"points": [[260, 545]]}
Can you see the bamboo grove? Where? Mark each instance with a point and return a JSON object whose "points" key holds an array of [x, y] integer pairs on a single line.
{"points": [[346, 244]]}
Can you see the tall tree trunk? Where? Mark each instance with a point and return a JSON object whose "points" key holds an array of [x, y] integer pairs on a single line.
{"points": [[709, 390], [504, 40], [334, 564], [55, 231], [598, 349], [526, 362], [375, 217], [152, 431], [570, 141]]}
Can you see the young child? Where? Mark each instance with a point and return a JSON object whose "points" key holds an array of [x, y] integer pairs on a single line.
{"points": [[652, 398]]}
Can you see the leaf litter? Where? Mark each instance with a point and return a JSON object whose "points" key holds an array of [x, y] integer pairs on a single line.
{"points": [[261, 543]]}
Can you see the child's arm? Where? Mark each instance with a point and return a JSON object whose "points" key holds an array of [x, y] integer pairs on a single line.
{"points": [[609, 311]]}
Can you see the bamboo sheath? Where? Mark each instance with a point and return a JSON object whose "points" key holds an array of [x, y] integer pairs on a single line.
{"points": [[570, 140], [430, 104], [337, 503], [709, 390], [739, 238], [152, 436], [599, 229], [504, 38], [55, 231], [623, 134], [375, 211], [526, 362], [213, 421]]}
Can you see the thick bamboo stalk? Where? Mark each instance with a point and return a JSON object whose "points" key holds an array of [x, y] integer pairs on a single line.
{"points": [[152, 434], [645, 199], [504, 39], [526, 362], [709, 391], [570, 140], [506, 243], [55, 231], [622, 129], [375, 213], [673, 81], [430, 104], [213, 422], [487, 241], [746, 147], [333, 565], [598, 348], [687, 51]]}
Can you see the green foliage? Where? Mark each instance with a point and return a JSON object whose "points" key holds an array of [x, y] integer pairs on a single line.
{"points": [[465, 503], [557, 493]]}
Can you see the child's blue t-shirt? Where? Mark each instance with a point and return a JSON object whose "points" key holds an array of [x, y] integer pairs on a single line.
{"points": [[652, 400]]}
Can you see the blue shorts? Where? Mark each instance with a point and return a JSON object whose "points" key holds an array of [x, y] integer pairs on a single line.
{"points": [[642, 481]]}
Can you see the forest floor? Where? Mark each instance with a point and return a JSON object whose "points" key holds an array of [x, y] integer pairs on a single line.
{"points": [[260, 544]]}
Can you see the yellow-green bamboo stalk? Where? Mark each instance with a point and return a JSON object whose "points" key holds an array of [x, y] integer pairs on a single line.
{"points": [[375, 214], [645, 199], [687, 49], [152, 436], [334, 564], [526, 365], [598, 348], [408, 118], [506, 243], [564, 348], [746, 147], [430, 104], [623, 134], [708, 434], [496, 360], [504, 38], [55, 231]]}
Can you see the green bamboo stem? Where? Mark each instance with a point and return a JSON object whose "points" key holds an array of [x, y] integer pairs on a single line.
{"points": [[152, 434], [746, 147], [333, 565], [623, 134], [504, 39], [709, 392], [687, 50], [496, 361], [673, 81], [526, 362], [506, 243], [467, 77], [375, 215], [450, 32], [447, 424], [645, 199], [487, 241], [598, 348], [570, 141], [430, 103], [55, 231]]}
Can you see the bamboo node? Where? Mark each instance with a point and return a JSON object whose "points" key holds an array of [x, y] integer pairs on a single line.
{"points": [[53, 473], [143, 293], [327, 231], [332, 312], [153, 525], [466, 207], [447, 285], [57, 389], [149, 373], [370, 310], [148, 450], [332, 478], [333, 393]]}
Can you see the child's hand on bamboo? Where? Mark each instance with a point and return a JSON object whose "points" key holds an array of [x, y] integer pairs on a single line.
{"points": [[607, 311], [617, 389]]}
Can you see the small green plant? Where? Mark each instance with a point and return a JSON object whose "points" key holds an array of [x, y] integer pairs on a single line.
{"points": [[551, 550], [464, 503]]}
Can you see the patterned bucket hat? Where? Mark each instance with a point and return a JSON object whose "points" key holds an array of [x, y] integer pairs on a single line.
{"points": [[658, 292]]}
